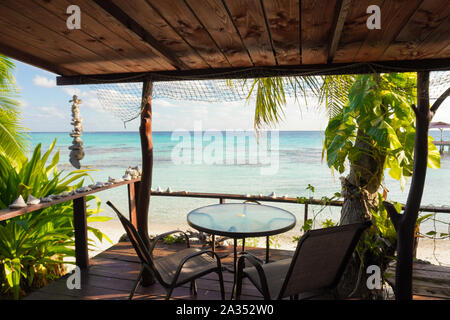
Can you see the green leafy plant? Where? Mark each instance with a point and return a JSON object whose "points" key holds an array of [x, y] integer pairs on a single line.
{"points": [[35, 247], [378, 113]]}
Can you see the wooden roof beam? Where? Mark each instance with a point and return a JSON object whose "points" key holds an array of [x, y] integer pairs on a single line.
{"points": [[343, 8], [256, 72], [132, 25]]}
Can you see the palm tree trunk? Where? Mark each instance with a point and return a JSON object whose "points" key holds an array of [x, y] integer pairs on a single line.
{"points": [[360, 193]]}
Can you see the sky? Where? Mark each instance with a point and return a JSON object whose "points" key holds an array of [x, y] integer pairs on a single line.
{"points": [[46, 108]]}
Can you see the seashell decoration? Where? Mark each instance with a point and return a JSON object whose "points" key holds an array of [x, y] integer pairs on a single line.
{"points": [[46, 199], [64, 194], [260, 195], [77, 151], [31, 200], [98, 185], [127, 177], [159, 189], [134, 172], [273, 195], [169, 190], [18, 203], [114, 180]]}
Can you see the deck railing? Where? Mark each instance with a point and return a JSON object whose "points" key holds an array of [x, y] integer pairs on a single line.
{"points": [[79, 208]]}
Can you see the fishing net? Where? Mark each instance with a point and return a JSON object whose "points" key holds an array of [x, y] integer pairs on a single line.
{"points": [[123, 100]]}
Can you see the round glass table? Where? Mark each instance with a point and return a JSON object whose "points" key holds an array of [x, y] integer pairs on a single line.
{"points": [[240, 221]]}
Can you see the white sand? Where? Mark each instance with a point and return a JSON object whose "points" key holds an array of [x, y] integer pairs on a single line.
{"points": [[437, 252]]}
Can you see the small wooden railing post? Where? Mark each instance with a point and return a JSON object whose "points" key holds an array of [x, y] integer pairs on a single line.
{"points": [[305, 217], [133, 192], [81, 239]]}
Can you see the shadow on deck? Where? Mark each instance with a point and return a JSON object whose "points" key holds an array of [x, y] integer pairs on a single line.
{"points": [[111, 275]]}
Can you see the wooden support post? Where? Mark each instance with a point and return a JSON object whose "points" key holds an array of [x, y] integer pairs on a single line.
{"points": [[80, 225], [143, 201], [133, 192]]}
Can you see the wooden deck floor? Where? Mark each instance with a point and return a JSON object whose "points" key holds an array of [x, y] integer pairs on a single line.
{"points": [[111, 275]]}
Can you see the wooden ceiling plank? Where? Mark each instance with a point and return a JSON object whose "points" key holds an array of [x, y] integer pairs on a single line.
{"points": [[283, 20], [64, 50], [161, 31], [18, 39], [394, 15], [317, 21], [117, 28], [433, 45], [121, 51], [355, 31], [425, 21], [343, 7], [248, 18], [30, 59], [128, 22], [186, 25], [213, 15]]}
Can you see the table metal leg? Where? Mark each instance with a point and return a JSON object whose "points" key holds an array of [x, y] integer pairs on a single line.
{"points": [[234, 267]]}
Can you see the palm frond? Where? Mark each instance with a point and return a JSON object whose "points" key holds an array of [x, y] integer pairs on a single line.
{"points": [[13, 140]]}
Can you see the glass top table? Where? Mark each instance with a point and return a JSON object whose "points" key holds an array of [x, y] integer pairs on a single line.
{"points": [[241, 220]]}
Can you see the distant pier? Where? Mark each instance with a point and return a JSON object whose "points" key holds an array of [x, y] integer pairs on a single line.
{"points": [[441, 145]]}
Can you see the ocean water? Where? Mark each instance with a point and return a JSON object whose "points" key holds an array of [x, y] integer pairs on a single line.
{"points": [[227, 162]]}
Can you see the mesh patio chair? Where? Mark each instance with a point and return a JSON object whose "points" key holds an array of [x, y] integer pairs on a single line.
{"points": [[175, 269], [316, 267]]}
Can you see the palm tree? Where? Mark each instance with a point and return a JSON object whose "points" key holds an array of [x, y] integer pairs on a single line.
{"points": [[13, 141], [369, 131]]}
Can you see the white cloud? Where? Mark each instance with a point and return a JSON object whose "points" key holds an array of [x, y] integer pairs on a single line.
{"points": [[41, 81], [50, 112]]}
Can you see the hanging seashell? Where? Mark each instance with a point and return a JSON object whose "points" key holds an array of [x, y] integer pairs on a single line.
{"points": [[18, 203], [169, 190], [31, 200], [159, 189]]}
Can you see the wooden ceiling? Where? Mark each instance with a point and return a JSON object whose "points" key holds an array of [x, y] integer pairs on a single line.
{"points": [[200, 37]]}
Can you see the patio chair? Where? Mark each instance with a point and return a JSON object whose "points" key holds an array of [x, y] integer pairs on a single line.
{"points": [[316, 267], [175, 269]]}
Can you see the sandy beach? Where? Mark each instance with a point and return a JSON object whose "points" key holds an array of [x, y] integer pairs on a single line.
{"points": [[435, 251]]}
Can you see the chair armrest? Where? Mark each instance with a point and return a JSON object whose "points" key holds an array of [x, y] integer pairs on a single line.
{"points": [[262, 276], [163, 235], [193, 255], [261, 261]]}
